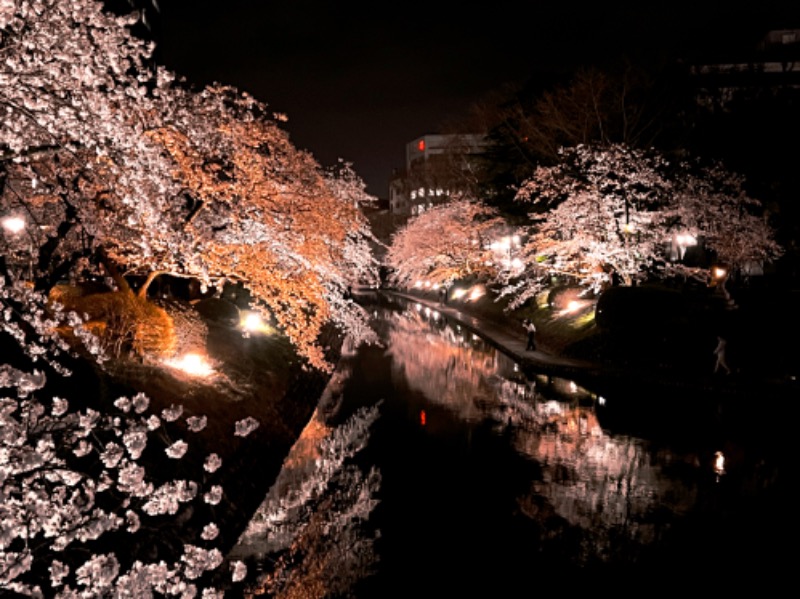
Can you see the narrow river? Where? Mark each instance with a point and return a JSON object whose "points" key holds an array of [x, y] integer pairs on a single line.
{"points": [[434, 468]]}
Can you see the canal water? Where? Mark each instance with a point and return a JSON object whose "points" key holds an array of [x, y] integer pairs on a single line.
{"points": [[434, 467]]}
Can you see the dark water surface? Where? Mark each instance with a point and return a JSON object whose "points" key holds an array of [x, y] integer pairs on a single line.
{"points": [[434, 468]]}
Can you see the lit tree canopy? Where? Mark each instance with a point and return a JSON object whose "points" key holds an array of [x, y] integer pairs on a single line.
{"points": [[103, 152], [446, 243], [613, 209]]}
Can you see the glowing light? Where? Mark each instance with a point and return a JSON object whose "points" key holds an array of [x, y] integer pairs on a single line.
{"points": [[423, 418], [574, 306], [475, 293], [459, 293], [719, 463], [253, 323], [13, 224], [192, 363], [719, 272]]}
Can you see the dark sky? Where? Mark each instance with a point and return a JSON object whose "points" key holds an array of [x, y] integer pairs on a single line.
{"points": [[359, 80]]}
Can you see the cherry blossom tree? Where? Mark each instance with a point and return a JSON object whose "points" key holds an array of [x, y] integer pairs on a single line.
{"points": [[446, 243], [112, 168], [261, 212], [83, 487], [612, 211], [117, 167]]}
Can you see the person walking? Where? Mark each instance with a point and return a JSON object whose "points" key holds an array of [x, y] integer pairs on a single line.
{"points": [[722, 359], [530, 328]]}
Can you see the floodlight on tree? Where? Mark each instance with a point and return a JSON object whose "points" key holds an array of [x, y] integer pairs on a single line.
{"points": [[192, 363], [475, 293], [252, 322]]}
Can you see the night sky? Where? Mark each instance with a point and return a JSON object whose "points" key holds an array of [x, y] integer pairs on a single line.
{"points": [[358, 81]]}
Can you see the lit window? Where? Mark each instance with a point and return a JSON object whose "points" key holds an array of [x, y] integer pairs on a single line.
{"points": [[421, 192], [413, 195]]}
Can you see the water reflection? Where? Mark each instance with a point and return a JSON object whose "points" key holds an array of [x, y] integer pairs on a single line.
{"points": [[433, 445]]}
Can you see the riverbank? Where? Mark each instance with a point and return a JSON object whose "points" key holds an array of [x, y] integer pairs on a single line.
{"points": [[574, 346]]}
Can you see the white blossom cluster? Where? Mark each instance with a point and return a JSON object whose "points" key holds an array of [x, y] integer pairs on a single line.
{"points": [[603, 213], [72, 475], [112, 155], [613, 210]]}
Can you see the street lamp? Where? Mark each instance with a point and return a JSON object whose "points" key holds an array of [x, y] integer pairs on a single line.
{"points": [[506, 245], [684, 240], [15, 225]]}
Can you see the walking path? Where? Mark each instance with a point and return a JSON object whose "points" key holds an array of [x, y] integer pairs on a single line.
{"points": [[606, 376]]}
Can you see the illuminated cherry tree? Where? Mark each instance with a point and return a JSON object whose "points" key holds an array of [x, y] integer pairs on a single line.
{"points": [[612, 211], [103, 151], [444, 244], [80, 505], [109, 166]]}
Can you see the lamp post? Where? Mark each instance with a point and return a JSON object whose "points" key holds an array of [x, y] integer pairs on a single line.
{"points": [[506, 245], [684, 240]]}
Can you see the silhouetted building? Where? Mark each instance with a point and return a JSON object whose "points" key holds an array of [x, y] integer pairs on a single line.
{"points": [[772, 65], [438, 168]]}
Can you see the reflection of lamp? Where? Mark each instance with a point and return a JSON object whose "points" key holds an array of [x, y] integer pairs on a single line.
{"points": [[719, 463]]}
